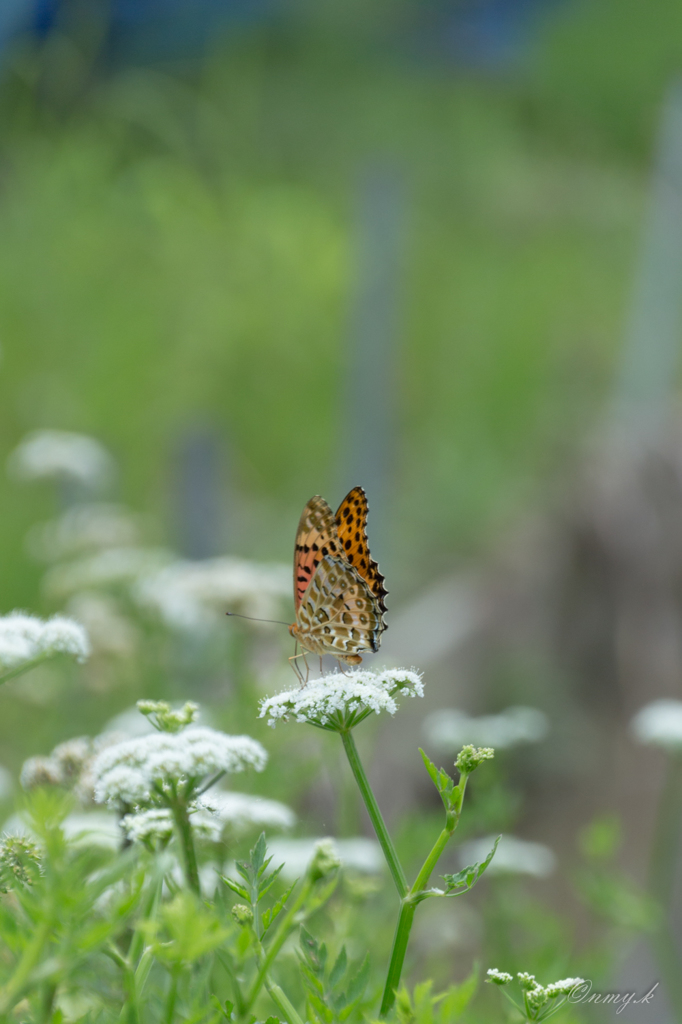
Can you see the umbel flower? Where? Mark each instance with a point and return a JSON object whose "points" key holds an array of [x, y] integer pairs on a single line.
{"points": [[26, 640], [340, 701], [147, 771]]}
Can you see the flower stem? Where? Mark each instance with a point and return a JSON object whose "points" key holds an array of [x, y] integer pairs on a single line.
{"points": [[400, 941], [383, 836], [409, 905], [189, 856], [283, 1004]]}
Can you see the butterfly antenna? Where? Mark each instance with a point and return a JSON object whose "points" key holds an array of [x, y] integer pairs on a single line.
{"points": [[238, 615]]}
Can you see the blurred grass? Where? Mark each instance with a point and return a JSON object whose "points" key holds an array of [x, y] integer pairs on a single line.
{"points": [[181, 247]]}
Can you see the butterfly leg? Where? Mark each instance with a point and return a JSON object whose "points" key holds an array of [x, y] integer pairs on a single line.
{"points": [[321, 672]]}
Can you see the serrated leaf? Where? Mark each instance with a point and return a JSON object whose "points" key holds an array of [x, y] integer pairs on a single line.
{"points": [[431, 768], [339, 968], [258, 853], [273, 1020], [236, 887], [268, 882], [458, 997], [271, 913], [358, 982], [469, 875]]}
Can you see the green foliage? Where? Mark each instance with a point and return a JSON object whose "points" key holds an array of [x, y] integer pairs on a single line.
{"points": [[334, 991], [466, 879], [421, 1007]]}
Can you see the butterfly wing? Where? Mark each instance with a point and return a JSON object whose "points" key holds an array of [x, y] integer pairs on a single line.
{"points": [[351, 525], [339, 614], [316, 536]]}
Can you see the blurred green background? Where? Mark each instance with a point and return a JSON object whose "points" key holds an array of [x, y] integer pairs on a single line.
{"points": [[192, 246]]}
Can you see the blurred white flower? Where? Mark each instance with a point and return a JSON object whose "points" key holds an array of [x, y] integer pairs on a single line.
{"points": [[359, 854], [110, 567], [26, 638], [339, 698], [58, 454], [449, 729], [659, 724], [130, 772], [110, 632], [156, 823], [190, 596], [85, 527], [513, 856], [94, 829], [240, 811]]}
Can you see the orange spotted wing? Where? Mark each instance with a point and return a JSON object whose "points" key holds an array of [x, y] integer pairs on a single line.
{"points": [[316, 536], [351, 526]]}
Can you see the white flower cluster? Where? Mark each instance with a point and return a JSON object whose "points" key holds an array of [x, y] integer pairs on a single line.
{"points": [[85, 527], [358, 854], [58, 454], [25, 638], [325, 701], [118, 567], [447, 730], [659, 724], [535, 995], [156, 823], [241, 811], [513, 856], [194, 595], [131, 772], [499, 977]]}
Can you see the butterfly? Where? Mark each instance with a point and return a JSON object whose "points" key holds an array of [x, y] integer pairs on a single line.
{"points": [[338, 589]]}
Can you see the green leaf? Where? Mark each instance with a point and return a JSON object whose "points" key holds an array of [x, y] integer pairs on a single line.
{"points": [[466, 878], [339, 968], [236, 887], [258, 853], [267, 883], [274, 911], [431, 769], [358, 982], [457, 998]]}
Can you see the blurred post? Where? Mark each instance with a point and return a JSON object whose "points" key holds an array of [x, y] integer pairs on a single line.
{"points": [[368, 400], [198, 492], [650, 354]]}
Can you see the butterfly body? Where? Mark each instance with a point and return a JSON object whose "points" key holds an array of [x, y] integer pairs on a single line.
{"points": [[338, 589]]}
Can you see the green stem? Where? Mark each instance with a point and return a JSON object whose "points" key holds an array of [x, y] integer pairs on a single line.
{"points": [[11, 993], [12, 673], [409, 904], [431, 861], [189, 856], [273, 949], [400, 941], [172, 998], [283, 1004], [384, 838]]}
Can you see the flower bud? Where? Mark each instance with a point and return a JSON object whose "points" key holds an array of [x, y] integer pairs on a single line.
{"points": [[470, 757], [325, 860], [242, 914]]}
